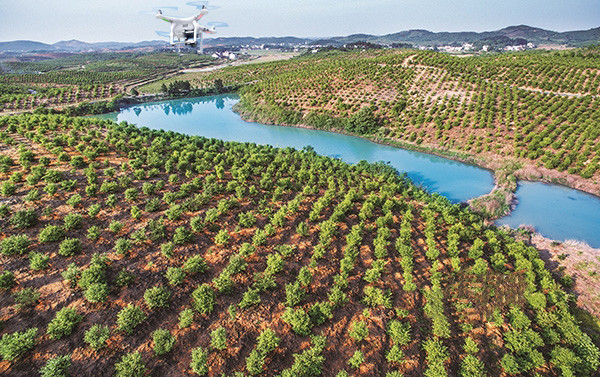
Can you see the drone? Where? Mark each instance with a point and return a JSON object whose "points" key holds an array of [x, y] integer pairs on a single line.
{"points": [[187, 28]]}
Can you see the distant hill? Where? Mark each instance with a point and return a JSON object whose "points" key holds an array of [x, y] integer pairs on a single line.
{"points": [[415, 37], [428, 38], [74, 46], [25, 46]]}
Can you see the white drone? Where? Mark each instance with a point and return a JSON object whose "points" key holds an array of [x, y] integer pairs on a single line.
{"points": [[187, 28]]}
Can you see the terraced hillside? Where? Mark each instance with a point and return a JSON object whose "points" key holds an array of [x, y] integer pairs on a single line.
{"points": [[541, 109], [131, 251]]}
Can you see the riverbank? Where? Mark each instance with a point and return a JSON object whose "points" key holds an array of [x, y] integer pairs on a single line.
{"points": [[577, 266], [501, 200]]}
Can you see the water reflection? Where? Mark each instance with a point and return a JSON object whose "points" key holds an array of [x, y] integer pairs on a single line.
{"points": [[177, 107]]}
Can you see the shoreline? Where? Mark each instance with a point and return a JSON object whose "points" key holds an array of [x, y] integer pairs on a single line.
{"points": [[543, 175]]}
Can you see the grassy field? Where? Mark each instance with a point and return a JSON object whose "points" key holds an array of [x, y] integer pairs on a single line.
{"points": [[131, 251]]}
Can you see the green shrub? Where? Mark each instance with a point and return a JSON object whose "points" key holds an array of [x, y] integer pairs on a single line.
{"points": [[7, 280], [8, 188], [131, 194], [537, 300], [320, 312], [51, 233], [4, 210], [299, 320], [129, 318], [358, 331], [16, 344], [74, 200], [199, 363], [124, 278], [166, 249], [122, 246], [305, 276], [266, 342], [56, 367], [77, 162], [471, 366], [38, 261], [69, 247], [218, 338], [480, 267], [71, 274], [175, 275], [94, 209], [164, 341], [152, 205], [26, 297], [157, 297], [356, 359], [50, 189], [374, 296], [194, 265], [251, 297], [222, 237], [115, 226], [97, 336], [130, 365], [24, 219], [96, 292], [68, 185], [203, 299], [186, 318], [32, 196], [246, 219], [395, 355], [94, 273], [93, 233], [294, 293], [72, 221], [174, 212], [15, 245], [182, 235], [136, 212], [63, 323], [399, 332]]}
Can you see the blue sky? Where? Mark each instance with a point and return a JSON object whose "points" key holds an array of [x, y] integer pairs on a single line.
{"points": [[111, 20]]}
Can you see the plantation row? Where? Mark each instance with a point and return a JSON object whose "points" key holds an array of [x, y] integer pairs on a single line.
{"points": [[82, 77], [468, 105], [17, 97], [127, 250]]}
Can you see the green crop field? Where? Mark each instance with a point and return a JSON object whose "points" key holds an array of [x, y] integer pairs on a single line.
{"points": [[127, 251]]}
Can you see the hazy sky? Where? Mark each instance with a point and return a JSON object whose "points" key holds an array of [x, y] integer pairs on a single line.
{"points": [[123, 20]]}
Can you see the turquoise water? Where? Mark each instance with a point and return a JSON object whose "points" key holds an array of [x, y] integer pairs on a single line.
{"points": [[213, 117], [556, 212]]}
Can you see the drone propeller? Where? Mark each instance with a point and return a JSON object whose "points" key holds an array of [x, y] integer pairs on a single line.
{"points": [[217, 24], [157, 9], [202, 5]]}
